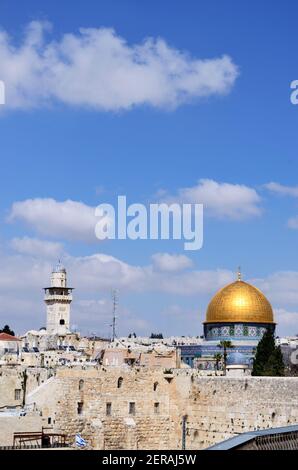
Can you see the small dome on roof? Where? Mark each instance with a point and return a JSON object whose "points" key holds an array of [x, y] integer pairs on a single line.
{"points": [[59, 268]]}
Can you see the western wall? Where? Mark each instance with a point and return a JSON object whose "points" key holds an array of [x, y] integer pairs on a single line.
{"points": [[141, 408]]}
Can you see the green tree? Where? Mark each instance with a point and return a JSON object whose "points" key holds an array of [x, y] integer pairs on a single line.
{"points": [[265, 349], [225, 345], [275, 366], [268, 360], [7, 330], [217, 358]]}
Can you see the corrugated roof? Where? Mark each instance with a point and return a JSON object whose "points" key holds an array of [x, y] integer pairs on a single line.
{"points": [[236, 441]]}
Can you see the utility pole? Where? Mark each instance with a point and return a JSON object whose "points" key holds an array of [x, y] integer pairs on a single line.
{"points": [[184, 421], [115, 303]]}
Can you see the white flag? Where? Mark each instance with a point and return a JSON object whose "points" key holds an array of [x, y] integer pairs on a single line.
{"points": [[80, 442]]}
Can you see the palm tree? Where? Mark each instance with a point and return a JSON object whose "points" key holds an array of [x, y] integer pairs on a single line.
{"points": [[225, 345], [217, 358]]}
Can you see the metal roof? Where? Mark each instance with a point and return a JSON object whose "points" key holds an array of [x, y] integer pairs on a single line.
{"points": [[236, 441]]}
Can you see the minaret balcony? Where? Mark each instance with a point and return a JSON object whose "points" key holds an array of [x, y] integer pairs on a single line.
{"points": [[57, 297]]}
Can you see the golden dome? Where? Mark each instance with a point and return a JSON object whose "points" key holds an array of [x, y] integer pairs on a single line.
{"points": [[239, 302]]}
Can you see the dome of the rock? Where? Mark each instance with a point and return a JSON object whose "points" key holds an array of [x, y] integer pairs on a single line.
{"points": [[238, 311], [239, 302]]}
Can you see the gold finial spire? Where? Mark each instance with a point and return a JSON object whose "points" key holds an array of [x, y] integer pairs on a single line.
{"points": [[239, 274]]}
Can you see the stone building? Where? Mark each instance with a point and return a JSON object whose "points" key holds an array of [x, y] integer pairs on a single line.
{"points": [[112, 357], [9, 345], [16, 381], [143, 408]]}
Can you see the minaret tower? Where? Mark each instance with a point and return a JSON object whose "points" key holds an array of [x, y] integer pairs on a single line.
{"points": [[58, 298]]}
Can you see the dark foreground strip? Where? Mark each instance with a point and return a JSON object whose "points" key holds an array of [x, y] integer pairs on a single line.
{"points": [[137, 459]]}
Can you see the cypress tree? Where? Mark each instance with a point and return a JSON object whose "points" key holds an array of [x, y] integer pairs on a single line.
{"points": [[268, 360], [275, 365]]}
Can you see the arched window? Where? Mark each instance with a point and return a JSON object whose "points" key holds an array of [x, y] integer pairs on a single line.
{"points": [[155, 386], [80, 408], [119, 383], [81, 385]]}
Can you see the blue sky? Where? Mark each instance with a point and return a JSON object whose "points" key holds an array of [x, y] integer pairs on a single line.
{"points": [[56, 145]]}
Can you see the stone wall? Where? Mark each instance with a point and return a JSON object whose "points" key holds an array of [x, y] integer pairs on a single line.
{"points": [[142, 408], [12, 379], [148, 426], [220, 407], [9, 424]]}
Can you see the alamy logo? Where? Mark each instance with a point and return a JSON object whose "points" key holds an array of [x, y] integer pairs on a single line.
{"points": [[2, 92], [159, 222]]}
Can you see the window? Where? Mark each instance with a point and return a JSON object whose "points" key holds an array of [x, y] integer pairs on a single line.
{"points": [[62, 322], [156, 408], [119, 383], [80, 408], [17, 394], [108, 409], [49, 420], [81, 385], [132, 408], [155, 386]]}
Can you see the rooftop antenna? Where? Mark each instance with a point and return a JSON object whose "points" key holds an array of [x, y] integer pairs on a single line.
{"points": [[239, 274], [115, 303]]}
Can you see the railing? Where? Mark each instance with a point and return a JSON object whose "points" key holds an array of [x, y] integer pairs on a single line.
{"points": [[286, 441], [38, 440], [28, 447], [67, 297]]}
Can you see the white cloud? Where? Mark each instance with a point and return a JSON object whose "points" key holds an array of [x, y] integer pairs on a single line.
{"points": [[98, 69], [280, 287], [69, 219], [221, 200], [95, 316], [171, 263], [23, 276], [194, 282], [282, 189], [21, 312], [287, 318], [37, 248], [74, 220], [100, 271]]}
